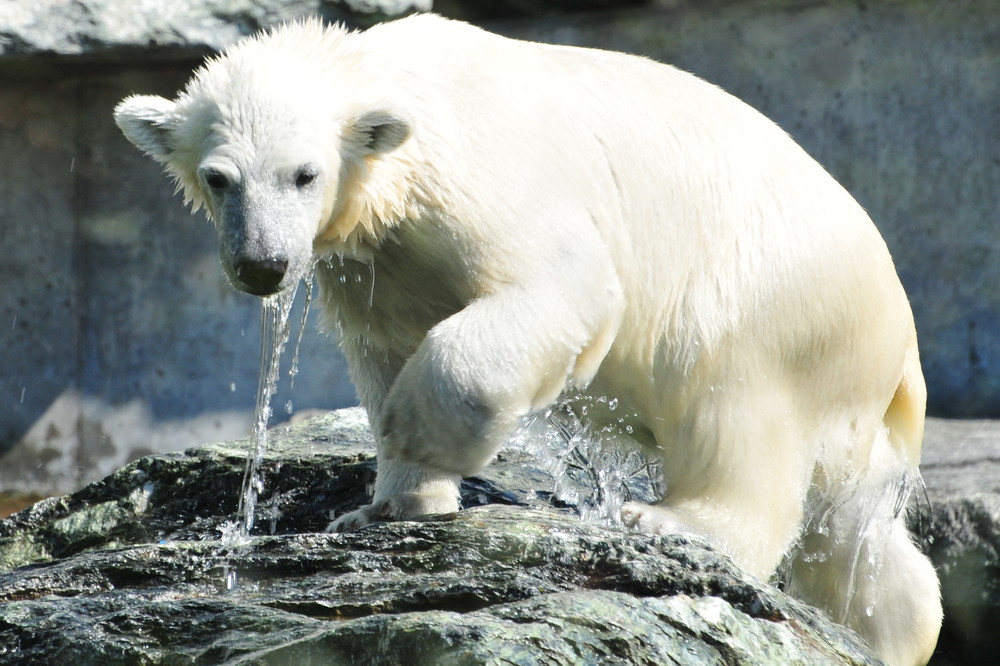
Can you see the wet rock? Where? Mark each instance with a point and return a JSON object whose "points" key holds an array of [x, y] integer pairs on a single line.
{"points": [[132, 570]]}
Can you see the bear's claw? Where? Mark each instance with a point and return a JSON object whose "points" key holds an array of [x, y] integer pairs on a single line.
{"points": [[403, 506]]}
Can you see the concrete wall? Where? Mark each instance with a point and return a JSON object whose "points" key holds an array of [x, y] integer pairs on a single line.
{"points": [[120, 336]]}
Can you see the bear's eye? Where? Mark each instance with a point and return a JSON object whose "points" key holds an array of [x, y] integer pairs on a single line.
{"points": [[216, 180], [305, 177]]}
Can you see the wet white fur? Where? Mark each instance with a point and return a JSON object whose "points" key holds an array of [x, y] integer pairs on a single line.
{"points": [[518, 221]]}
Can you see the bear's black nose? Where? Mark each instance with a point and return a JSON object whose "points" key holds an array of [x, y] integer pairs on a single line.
{"points": [[260, 277]]}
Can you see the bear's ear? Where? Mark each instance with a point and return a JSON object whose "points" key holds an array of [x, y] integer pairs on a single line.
{"points": [[148, 122], [380, 131]]}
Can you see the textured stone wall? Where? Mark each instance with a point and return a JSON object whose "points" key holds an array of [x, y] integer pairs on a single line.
{"points": [[119, 335]]}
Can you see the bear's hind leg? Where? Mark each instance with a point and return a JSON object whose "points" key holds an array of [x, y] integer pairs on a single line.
{"points": [[755, 541], [738, 481], [856, 562]]}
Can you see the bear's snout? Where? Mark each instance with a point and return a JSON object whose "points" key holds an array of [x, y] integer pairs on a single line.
{"points": [[260, 277]]}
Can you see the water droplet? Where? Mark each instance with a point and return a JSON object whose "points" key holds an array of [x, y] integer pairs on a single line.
{"points": [[613, 404], [288, 407], [232, 387]]}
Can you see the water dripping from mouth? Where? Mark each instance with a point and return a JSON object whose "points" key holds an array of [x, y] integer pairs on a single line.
{"points": [[293, 371], [275, 332]]}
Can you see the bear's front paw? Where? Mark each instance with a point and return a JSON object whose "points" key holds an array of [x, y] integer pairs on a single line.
{"points": [[403, 506], [355, 520]]}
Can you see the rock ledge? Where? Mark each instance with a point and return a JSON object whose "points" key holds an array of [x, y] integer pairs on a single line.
{"points": [[131, 570]]}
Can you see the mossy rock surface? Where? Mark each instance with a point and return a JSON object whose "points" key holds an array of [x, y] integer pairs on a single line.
{"points": [[131, 570]]}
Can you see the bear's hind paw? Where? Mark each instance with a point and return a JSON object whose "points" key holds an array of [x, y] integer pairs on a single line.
{"points": [[651, 519]]}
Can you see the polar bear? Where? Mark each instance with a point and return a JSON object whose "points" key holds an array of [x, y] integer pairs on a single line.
{"points": [[498, 225]]}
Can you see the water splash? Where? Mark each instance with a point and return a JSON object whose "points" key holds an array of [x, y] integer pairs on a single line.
{"points": [[234, 536], [847, 523], [595, 471], [232, 540], [229, 579]]}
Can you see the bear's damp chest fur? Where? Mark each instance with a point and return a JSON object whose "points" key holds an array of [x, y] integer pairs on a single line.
{"points": [[393, 298]]}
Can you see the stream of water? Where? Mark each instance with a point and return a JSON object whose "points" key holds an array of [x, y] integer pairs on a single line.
{"points": [[275, 330], [274, 333]]}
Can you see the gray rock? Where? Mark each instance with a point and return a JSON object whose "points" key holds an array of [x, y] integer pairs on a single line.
{"points": [[132, 570], [961, 457], [485, 10], [102, 28], [959, 520], [959, 524]]}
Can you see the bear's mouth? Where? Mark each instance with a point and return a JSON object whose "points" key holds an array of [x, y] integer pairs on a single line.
{"points": [[257, 292]]}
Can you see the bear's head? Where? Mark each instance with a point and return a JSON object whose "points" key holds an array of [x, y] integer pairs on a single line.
{"points": [[280, 139]]}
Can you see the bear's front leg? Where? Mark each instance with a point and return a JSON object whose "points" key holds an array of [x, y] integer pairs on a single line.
{"points": [[402, 491], [471, 381], [478, 373]]}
